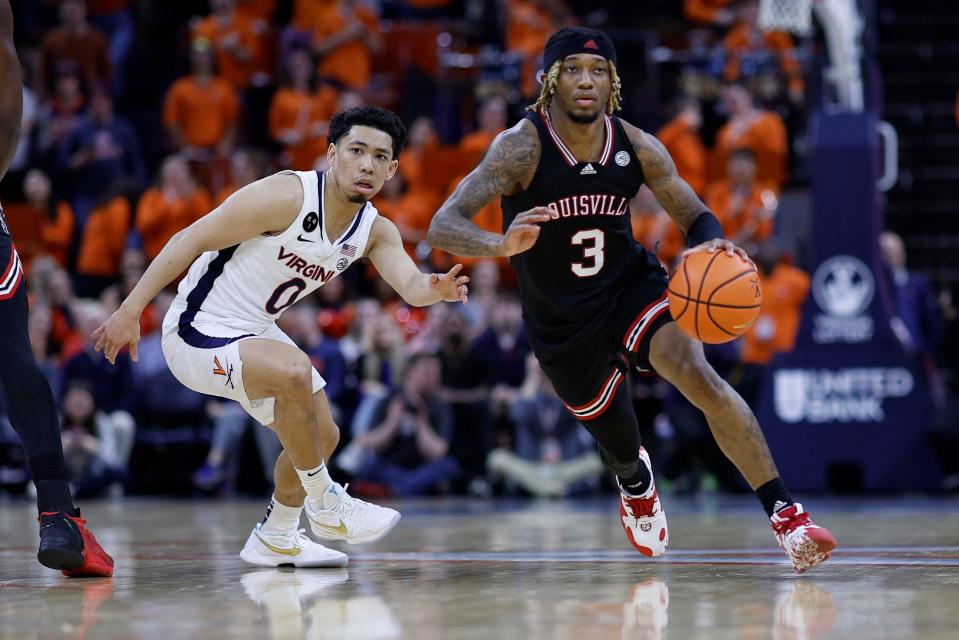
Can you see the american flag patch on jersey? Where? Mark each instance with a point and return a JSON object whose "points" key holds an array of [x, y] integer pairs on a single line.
{"points": [[348, 250]]}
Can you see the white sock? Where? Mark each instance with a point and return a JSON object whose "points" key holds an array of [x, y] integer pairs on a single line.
{"points": [[315, 481], [280, 519]]}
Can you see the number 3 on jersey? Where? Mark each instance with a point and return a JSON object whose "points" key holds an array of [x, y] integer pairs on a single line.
{"points": [[593, 242]]}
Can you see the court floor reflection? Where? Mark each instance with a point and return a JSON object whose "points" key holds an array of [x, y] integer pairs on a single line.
{"points": [[495, 570]]}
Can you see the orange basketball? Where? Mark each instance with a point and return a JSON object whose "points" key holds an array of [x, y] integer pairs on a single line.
{"points": [[714, 297]]}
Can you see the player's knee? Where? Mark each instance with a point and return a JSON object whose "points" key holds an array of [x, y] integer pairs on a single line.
{"points": [[705, 389], [23, 377], [675, 364], [689, 372]]}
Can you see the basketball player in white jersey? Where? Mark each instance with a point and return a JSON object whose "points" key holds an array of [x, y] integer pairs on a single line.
{"points": [[270, 244]]}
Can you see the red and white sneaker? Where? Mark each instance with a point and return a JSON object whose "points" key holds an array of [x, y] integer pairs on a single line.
{"points": [[643, 517], [68, 546], [806, 544]]}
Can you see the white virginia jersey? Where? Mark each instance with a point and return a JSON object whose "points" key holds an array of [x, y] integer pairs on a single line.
{"points": [[242, 290]]}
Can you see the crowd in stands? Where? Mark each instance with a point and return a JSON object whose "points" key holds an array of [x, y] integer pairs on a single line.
{"points": [[123, 147]]}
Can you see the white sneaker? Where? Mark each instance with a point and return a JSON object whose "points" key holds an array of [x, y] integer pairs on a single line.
{"points": [[643, 518], [293, 549], [343, 517]]}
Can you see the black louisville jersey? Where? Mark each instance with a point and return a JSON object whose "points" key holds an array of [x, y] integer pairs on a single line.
{"points": [[570, 278]]}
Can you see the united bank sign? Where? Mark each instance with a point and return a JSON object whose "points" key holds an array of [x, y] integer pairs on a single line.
{"points": [[838, 395]]}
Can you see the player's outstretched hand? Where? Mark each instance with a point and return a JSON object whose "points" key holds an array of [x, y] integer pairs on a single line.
{"points": [[449, 287], [120, 329], [524, 230], [721, 244]]}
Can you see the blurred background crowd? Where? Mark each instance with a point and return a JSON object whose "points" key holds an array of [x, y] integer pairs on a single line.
{"points": [[140, 117]]}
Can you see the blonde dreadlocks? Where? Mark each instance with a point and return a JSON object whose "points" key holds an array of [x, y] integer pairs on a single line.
{"points": [[552, 77]]}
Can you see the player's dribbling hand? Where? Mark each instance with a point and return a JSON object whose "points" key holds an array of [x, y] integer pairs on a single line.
{"points": [[120, 329], [449, 287], [524, 230], [720, 244]]}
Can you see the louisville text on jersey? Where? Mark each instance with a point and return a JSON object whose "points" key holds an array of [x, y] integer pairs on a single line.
{"points": [[590, 205]]}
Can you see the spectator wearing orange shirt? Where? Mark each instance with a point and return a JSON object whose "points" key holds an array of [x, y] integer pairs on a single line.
{"points": [[298, 34], [744, 206], [784, 291], [306, 13], [529, 24], [257, 9], [746, 38], [422, 141], [346, 35], [762, 132], [491, 117], [57, 217], [176, 203], [201, 110], [102, 245], [233, 39], [76, 40], [244, 169], [681, 138], [260, 14], [408, 210], [709, 11], [300, 118]]}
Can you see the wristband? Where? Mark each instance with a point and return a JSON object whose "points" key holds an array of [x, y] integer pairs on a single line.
{"points": [[704, 228]]}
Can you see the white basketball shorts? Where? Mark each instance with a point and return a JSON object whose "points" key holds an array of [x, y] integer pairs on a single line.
{"points": [[213, 365]]}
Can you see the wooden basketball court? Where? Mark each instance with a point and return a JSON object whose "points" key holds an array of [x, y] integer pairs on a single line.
{"points": [[475, 569]]}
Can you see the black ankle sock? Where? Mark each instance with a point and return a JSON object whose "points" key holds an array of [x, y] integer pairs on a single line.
{"points": [[638, 483], [774, 496], [54, 495]]}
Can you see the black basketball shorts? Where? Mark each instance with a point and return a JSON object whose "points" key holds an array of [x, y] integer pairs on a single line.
{"points": [[588, 376], [11, 271]]}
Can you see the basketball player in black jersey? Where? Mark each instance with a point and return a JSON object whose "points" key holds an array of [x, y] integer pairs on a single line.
{"points": [[65, 542], [593, 299]]}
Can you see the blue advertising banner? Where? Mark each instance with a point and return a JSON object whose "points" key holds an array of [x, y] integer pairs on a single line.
{"points": [[848, 396]]}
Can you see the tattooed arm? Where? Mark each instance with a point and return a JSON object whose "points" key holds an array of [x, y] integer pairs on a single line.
{"points": [[677, 198], [507, 167]]}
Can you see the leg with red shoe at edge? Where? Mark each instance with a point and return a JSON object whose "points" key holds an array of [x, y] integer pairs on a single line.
{"points": [[65, 542]]}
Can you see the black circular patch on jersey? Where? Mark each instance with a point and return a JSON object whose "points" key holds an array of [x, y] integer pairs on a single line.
{"points": [[310, 222], [342, 263]]}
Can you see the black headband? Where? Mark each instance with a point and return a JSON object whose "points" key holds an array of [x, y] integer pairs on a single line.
{"points": [[573, 40]]}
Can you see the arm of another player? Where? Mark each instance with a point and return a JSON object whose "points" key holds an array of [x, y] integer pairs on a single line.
{"points": [[11, 95], [677, 198], [508, 165], [400, 272], [267, 205]]}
